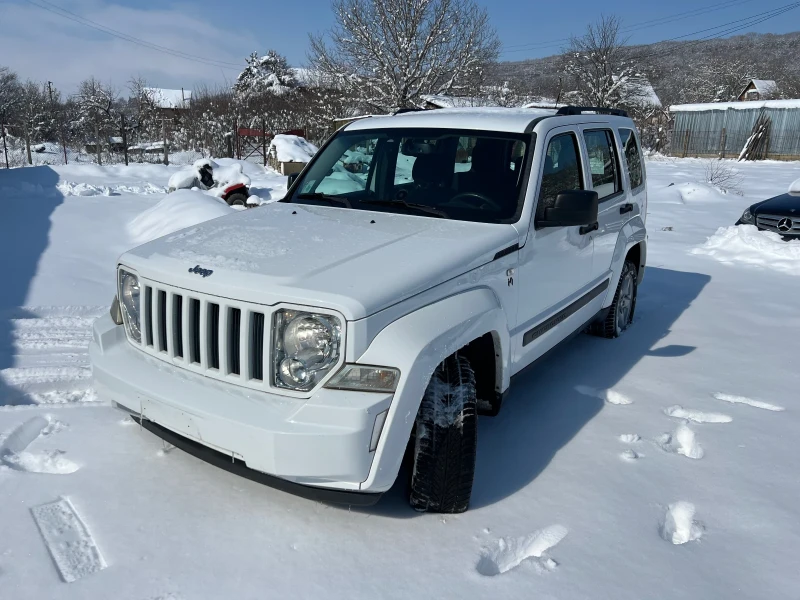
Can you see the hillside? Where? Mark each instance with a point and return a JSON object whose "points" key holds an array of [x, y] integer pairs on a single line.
{"points": [[687, 71]]}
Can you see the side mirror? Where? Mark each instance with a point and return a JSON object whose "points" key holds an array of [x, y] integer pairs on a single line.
{"points": [[292, 178], [573, 207]]}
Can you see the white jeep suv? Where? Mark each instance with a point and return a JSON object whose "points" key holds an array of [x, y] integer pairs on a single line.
{"points": [[416, 265]]}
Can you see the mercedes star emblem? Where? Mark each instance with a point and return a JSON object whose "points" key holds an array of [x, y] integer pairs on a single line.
{"points": [[785, 225]]}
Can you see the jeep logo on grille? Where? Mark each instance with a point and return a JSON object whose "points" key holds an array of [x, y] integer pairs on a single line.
{"points": [[198, 270]]}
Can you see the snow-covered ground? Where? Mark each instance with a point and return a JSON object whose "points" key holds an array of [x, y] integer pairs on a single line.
{"points": [[659, 465]]}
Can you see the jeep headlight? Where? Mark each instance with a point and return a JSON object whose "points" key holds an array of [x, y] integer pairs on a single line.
{"points": [[305, 347], [129, 301]]}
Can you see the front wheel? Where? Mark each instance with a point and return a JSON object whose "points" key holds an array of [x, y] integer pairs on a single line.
{"points": [[446, 439], [620, 314]]}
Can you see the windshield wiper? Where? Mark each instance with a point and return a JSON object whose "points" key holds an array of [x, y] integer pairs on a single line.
{"points": [[327, 197], [420, 207]]}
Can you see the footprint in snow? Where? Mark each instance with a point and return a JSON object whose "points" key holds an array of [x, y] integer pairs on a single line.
{"points": [[630, 438], [678, 525], [630, 455], [696, 416], [748, 401], [682, 441], [610, 396], [14, 453], [508, 553]]}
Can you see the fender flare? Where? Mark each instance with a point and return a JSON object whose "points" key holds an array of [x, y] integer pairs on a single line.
{"points": [[416, 344], [633, 233]]}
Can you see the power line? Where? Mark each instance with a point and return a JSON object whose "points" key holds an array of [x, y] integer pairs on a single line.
{"points": [[66, 14], [632, 28], [749, 21]]}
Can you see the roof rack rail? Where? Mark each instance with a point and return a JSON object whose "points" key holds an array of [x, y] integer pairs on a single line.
{"points": [[579, 110]]}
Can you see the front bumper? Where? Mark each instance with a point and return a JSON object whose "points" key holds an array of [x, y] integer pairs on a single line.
{"points": [[321, 442]]}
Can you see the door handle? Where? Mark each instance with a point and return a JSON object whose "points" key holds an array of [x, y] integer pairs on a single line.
{"points": [[589, 228], [625, 208]]}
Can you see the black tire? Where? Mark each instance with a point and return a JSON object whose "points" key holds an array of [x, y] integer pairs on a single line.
{"points": [[237, 199], [620, 314], [445, 440]]}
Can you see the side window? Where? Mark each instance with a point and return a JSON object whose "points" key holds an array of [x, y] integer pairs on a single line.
{"points": [[632, 157], [562, 171], [603, 162]]}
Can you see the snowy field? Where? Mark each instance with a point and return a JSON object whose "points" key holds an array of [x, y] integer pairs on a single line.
{"points": [[659, 465]]}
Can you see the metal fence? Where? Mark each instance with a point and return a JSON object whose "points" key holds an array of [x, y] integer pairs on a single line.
{"points": [[724, 133], [15, 154]]}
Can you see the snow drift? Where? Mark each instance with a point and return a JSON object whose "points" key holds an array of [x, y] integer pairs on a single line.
{"points": [[292, 148], [178, 210], [747, 245]]}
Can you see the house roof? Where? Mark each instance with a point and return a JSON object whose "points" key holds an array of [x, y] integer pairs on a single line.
{"points": [[638, 90], [753, 105], [443, 101], [164, 98], [763, 86]]}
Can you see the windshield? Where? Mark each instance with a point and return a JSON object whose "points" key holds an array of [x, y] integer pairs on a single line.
{"points": [[442, 173]]}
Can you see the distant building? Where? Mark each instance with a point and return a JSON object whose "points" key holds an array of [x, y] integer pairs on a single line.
{"points": [[759, 89], [113, 144], [721, 129], [434, 101], [171, 103]]}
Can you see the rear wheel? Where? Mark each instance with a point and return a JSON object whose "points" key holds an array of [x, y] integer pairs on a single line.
{"points": [[445, 440], [620, 314], [237, 199]]}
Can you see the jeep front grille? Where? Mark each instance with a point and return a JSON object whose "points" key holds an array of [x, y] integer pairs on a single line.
{"points": [[220, 338], [770, 223]]}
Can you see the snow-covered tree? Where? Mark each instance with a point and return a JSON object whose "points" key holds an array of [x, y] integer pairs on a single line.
{"points": [[10, 91], [389, 52], [95, 115], [268, 74]]}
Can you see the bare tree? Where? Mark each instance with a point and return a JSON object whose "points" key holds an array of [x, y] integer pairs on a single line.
{"points": [[599, 64], [389, 52]]}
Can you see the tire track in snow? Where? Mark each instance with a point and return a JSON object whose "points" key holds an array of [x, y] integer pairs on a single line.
{"points": [[51, 356]]}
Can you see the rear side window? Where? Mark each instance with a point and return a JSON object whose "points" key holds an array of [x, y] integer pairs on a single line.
{"points": [[603, 162], [632, 157], [562, 171]]}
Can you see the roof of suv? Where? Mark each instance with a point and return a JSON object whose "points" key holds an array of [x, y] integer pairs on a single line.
{"points": [[517, 120]]}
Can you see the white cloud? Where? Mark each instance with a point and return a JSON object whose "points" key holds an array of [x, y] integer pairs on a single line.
{"points": [[43, 46]]}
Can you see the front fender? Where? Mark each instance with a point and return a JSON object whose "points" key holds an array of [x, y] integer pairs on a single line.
{"points": [[416, 344]]}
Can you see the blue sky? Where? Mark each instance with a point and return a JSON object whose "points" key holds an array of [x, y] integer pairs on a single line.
{"points": [[43, 45]]}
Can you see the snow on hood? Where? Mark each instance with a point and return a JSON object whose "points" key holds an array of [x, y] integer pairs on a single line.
{"points": [[794, 189], [357, 262], [178, 210]]}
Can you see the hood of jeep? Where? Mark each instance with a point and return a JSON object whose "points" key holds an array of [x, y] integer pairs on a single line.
{"points": [[357, 262]]}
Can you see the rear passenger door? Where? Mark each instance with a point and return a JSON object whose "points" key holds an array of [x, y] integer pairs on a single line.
{"points": [[607, 180]]}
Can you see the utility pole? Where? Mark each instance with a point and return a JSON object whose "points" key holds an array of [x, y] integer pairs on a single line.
{"points": [[3, 131], [60, 122], [124, 139], [166, 152]]}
